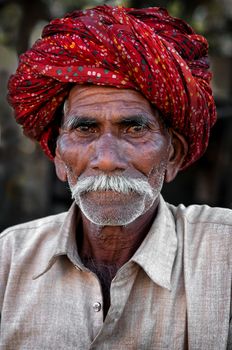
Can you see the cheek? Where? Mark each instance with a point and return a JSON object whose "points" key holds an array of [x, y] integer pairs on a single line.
{"points": [[150, 155], [74, 155]]}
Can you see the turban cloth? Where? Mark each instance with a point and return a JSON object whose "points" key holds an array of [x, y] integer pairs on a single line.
{"points": [[142, 49]]}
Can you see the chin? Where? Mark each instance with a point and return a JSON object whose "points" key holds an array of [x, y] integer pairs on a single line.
{"points": [[120, 210]]}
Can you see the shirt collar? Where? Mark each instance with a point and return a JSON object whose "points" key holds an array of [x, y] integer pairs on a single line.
{"points": [[64, 242], [155, 255], [157, 252]]}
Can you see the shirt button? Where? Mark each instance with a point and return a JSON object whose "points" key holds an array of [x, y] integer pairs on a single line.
{"points": [[97, 307]]}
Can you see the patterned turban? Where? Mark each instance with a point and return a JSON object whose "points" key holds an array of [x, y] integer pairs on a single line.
{"points": [[142, 49]]}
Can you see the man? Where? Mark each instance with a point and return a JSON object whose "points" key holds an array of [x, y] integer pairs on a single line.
{"points": [[122, 269]]}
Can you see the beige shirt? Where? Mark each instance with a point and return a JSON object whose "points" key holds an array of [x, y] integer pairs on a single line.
{"points": [[174, 293]]}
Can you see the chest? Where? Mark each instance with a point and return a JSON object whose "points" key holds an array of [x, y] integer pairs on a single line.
{"points": [[64, 309]]}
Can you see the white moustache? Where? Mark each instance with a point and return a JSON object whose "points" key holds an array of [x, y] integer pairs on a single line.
{"points": [[116, 183]]}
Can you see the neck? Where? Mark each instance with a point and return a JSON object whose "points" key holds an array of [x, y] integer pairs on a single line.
{"points": [[114, 245]]}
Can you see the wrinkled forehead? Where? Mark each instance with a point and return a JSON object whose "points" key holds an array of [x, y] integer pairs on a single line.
{"points": [[96, 100]]}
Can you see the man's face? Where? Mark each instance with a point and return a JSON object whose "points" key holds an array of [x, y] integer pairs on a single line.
{"points": [[117, 135]]}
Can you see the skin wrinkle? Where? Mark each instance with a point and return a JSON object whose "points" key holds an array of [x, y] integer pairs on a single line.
{"points": [[70, 119]]}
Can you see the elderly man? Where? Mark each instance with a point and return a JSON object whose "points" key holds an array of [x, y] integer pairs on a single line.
{"points": [[120, 99]]}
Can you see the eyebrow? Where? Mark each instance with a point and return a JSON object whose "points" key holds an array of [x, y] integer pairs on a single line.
{"points": [[140, 119], [75, 121]]}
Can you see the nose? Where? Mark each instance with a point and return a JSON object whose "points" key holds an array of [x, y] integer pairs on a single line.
{"points": [[108, 156]]}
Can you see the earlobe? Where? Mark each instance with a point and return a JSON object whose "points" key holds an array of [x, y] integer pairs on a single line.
{"points": [[177, 152], [60, 166]]}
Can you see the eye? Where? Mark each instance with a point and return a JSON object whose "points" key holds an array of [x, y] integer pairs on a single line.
{"points": [[136, 129], [85, 129]]}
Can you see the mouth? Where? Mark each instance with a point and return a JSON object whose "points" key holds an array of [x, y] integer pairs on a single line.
{"points": [[109, 196]]}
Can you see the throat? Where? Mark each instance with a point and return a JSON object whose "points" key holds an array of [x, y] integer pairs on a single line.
{"points": [[105, 274]]}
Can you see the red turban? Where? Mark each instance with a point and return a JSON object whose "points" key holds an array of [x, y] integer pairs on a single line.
{"points": [[142, 49]]}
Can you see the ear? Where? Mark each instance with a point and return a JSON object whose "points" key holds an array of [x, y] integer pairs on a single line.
{"points": [[177, 152], [60, 166]]}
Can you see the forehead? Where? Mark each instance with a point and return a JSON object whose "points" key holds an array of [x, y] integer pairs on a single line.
{"points": [[106, 101]]}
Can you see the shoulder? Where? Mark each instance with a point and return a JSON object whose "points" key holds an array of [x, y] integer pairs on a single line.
{"points": [[31, 231], [204, 236], [35, 225], [203, 226], [205, 233], [203, 215]]}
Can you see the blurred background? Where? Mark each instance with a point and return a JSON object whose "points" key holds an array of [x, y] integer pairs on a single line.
{"points": [[28, 185]]}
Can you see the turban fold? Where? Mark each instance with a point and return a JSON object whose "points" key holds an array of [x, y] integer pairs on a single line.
{"points": [[142, 49]]}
